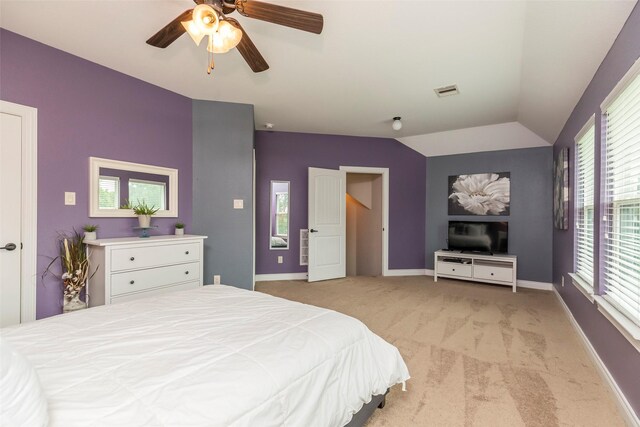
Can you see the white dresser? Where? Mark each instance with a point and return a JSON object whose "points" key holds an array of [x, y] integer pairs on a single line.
{"points": [[494, 269], [133, 267]]}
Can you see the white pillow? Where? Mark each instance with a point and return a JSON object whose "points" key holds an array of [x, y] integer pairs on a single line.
{"points": [[22, 396]]}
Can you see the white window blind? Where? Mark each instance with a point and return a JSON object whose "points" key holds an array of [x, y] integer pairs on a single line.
{"points": [[108, 192], [621, 264], [150, 192], [585, 146]]}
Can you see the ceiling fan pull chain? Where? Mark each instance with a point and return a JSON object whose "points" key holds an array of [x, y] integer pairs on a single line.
{"points": [[211, 65]]}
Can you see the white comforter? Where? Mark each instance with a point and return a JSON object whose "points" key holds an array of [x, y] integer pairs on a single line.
{"points": [[215, 356]]}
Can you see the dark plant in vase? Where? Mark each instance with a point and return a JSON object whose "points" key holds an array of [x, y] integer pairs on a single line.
{"points": [[75, 269]]}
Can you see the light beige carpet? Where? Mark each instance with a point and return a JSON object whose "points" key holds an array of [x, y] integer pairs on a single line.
{"points": [[478, 355]]}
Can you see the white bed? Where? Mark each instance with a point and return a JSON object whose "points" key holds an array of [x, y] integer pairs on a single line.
{"points": [[215, 356]]}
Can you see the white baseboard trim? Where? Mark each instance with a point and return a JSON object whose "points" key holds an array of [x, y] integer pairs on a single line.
{"points": [[406, 272], [283, 276], [542, 286], [428, 272], [627, 411]]}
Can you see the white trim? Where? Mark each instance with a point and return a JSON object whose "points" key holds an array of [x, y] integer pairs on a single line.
{"points": [[622, 85], [282, 276], [385, 208], [95, 163], [29, 231], [429, 272], [626, 409], [529, 284], [253, 218], [582, 286], [627, 328], [406, 272], [585, 128]]}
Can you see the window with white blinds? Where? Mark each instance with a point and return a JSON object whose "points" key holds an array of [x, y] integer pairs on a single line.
{"points": [[584, 210], [621, 263], [108, 192]]}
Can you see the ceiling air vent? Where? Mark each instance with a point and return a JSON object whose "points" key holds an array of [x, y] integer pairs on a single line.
{"points": [[447, 91]]}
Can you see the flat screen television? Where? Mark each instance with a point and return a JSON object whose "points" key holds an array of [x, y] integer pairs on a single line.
{"points": [[479, 236]]}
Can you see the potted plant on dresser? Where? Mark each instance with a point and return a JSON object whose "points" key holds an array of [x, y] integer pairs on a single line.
{"points": [[75, 269], [179, 228], [90, 232], [143, 211]]}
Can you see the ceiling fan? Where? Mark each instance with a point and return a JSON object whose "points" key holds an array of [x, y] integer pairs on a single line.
{"points": [[209, 18]]}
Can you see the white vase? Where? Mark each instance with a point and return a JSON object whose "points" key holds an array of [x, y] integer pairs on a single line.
{"points": [[73, 304], [144, 221], [179, 231], [90, 235]]}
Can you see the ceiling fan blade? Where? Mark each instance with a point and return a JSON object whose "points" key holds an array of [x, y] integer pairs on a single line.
{"points": [[248, 50], [281, 15], [171, 31]]}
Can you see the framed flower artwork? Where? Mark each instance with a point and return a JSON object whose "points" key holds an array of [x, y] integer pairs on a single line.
{"points": [[561, 190], [480, 194]]}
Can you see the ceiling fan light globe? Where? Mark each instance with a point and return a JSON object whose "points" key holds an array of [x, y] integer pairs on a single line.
{"points": [[206, 19], [193, 31], [396, 125]]}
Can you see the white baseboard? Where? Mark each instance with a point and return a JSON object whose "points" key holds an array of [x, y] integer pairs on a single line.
{"points": [[428, 272], [406, 272], [627, 411], [283, 276], [542, 286]]}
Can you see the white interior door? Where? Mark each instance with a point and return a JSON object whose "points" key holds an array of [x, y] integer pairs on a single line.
{"points": [[10, 214], [327, 224]]}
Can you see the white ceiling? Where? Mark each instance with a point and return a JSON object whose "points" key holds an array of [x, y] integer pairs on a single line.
{"points": [[522, 64]]}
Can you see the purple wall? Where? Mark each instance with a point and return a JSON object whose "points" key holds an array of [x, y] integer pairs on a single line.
{"points": [[621, 358], [286, 156], [86, 110]]}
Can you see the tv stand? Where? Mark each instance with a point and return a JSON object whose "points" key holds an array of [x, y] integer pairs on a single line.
{"points": [[494, 269]]}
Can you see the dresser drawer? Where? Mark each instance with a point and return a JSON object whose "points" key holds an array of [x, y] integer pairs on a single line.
{"points": [[493, 272], [145, 257], [140, 280], [157, 291], [454, 269]]}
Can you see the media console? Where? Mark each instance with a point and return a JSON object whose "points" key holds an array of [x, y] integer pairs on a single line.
{"points": [[495, 269]]}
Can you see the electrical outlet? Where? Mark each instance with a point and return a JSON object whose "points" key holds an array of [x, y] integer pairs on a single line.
{"points": [[238, 204], [280, 259], [216, 279], [562, 280]]}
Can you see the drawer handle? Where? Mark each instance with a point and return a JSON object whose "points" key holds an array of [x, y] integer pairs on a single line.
{"points": [[186, 272], [132, 258], [453, 269], [186, 253], [492, 274], [132, 282]]}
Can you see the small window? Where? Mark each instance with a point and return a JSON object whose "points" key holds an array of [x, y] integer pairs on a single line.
{"points": [[152, 193], [109, 192]]}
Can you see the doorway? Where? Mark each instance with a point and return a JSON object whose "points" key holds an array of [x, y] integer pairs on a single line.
{"points": [[364, 224], [367, 220], [18, 180]]}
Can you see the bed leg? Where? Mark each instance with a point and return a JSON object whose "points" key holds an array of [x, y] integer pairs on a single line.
{"points": [[384, 402]]}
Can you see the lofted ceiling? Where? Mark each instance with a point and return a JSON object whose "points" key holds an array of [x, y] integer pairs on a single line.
{"points": [[521, 66]]}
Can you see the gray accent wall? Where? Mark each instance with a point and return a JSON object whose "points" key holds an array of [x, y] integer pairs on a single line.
{"points": [[223, 171], [531, 219]]}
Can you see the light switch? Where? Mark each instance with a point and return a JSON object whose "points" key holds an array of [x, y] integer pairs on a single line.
{"points": [[238, 204], [69, 198], [216, 279], [280, 259]]}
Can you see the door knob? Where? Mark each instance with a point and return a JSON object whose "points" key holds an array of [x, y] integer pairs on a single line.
{"points": [[313, 231], [9, 247]]}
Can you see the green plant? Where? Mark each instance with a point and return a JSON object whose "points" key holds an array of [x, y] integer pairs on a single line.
{"points": [[126, 205], [179, 225], [90, 227], [74, 262], [144, 209]]}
